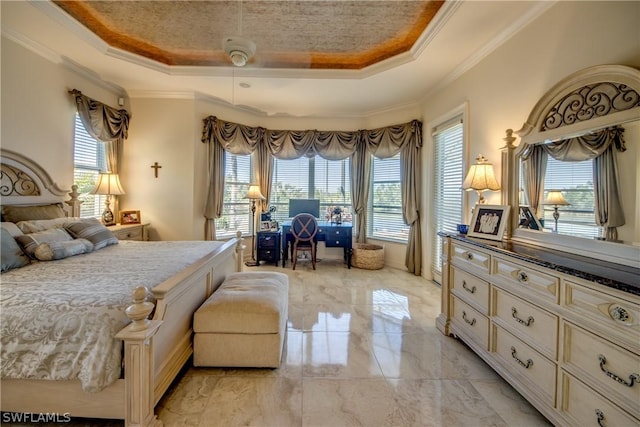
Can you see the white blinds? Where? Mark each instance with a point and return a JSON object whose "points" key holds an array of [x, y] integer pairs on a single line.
{"points": [[575, 180], [447, 178], [385, 208], [311, 178], [236, 214], [88, 162]]}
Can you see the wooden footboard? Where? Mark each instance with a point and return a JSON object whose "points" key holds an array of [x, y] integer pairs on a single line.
{"points": [[155, 351]]}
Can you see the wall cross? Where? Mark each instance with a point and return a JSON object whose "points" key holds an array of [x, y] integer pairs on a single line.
{"points": [[156, 166]]}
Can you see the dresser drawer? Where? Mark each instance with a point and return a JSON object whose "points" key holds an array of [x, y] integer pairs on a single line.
{"points": [[529, 322], [586, 408], [466, 257], [336, 237], [518, 277], [617, 315], [267, 240], [612, 369], [472, 321], [533, 370], [129, 233], [470, 289]]}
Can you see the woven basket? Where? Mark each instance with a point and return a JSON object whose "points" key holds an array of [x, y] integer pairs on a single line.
{"points": [[368, 256]]}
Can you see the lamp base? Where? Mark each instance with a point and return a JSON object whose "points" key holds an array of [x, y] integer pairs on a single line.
{"points": [[252, 263], [107, 218]]}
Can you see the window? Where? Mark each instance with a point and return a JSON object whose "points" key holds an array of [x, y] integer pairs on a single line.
{"points": [[447, 178], [88, 161], [311, 178], [385, 219], [575, 180], [236, 211]]}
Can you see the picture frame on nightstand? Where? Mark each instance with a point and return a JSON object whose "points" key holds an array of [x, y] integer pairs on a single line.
{"points": [[130, 217]]}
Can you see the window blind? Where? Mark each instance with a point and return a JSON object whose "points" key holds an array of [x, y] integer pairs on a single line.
{"points": [[385, 219], [447, 178], [236, 213], [88, 161], [311, 178], [575, 180]]}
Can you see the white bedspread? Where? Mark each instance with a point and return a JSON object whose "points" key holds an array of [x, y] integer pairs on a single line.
{"points": [[59, 318]]}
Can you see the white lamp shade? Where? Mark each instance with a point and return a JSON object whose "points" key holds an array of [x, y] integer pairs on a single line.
{"points": [[109, 184], [481, 176], [555, 197], [254, 193]]}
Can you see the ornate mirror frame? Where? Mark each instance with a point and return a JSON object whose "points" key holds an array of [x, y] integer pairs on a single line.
{"points": [[594, 98]]}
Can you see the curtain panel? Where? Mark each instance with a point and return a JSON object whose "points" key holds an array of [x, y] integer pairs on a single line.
{"points": [[332, 145]]}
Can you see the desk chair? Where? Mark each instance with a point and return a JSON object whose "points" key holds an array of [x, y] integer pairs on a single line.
{"points": [[304, 228]]}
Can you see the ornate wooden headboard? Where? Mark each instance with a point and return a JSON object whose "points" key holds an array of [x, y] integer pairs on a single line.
{"points": [[24, 182]]}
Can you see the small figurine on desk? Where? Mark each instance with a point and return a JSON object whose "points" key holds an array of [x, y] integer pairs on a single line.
{"points": [[336, 215]]}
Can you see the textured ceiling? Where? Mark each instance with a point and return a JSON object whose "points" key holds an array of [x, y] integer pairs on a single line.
{"points": [[288, 34]]}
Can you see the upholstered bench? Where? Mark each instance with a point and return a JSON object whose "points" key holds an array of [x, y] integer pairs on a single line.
{"points": [[244, 322]]}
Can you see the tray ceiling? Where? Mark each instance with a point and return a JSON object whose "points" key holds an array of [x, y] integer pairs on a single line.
{"points": [[288, 34]]}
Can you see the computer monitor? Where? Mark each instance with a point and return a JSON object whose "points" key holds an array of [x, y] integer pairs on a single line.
{"points": [[311, 206]]}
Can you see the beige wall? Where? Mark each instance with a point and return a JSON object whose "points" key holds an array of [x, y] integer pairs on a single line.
{"points": [[500, 92]]}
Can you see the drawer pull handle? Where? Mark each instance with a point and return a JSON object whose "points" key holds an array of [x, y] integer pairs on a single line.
{"points": [[619, 313], [600, 417], [522, 277], [469, 256], [471, 290], [464, 317], [527, 322], [520, 362], [632, 378]]}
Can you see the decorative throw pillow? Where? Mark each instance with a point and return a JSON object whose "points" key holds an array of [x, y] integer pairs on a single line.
{"points": [[11, 253], [26, 213], [29, 242], [64, 249], [93, 231], [11, 228], [43, 224]]}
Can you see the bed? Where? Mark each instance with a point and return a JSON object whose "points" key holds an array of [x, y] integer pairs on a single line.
{"points": [[99, 334]]}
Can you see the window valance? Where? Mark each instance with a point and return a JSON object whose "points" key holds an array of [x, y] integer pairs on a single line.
{"points": [[291, 144]]}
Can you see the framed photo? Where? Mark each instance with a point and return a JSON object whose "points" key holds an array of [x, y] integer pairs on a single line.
{"points": [[129, 217], [265, 225], [489, 221], [528, 219]]}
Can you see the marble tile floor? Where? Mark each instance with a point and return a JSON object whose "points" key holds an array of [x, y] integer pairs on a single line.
{"points": [[362, 349]]}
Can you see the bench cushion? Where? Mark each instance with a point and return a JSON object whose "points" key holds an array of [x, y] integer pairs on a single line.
{"points": [[247, 302]]}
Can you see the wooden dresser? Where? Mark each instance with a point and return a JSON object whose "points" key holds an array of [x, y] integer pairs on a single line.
{"points": [[566, 338]]}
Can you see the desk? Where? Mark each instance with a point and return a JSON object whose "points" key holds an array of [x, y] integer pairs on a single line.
{"points": [[333, 235]]}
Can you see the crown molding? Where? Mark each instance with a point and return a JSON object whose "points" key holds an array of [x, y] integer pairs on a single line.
{"points": [[32, 45]]}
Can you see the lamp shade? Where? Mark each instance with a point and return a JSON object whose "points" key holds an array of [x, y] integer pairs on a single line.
{"points": [[481, 176], [555, 197], [109, 184], [254, 193]]}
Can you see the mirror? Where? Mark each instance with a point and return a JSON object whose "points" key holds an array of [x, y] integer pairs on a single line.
{"points": [[585, 102], [575, 179]]}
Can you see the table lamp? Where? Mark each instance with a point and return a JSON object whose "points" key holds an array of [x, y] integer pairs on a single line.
{"points": [[253, 194], [481, 178], [555, 198], [109, 185]]}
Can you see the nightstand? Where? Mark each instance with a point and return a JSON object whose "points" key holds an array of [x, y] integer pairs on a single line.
{"points": [[268, 246], [130, 231]]}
